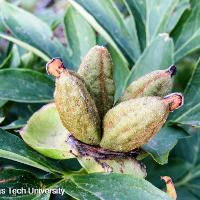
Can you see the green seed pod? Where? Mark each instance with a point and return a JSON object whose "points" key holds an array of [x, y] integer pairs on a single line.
{"points": [[76, 107], [133, 123], [156, 83], [96, 70]]}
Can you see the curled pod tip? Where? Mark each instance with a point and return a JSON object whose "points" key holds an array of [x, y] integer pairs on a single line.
{"points": [[174, 100], [55, 67], [172, 70]]}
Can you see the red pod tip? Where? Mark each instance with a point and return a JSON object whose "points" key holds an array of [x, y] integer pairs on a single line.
{"points": [[55, 67], [174, 100]]}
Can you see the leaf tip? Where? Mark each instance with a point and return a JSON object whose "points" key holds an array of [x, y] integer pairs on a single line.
{"points": [[165, 36], [174, 100]]}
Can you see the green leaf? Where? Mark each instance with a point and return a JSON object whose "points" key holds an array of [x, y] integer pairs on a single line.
{"points": [[25, 46], [187, 32], [180, 8], [120, 72], [152, 59], [108, 21], [158, 14], [2, 102], [80, 35], [112, 186], [138, 10], [1, 119], [16, 60], [23, 85], [183, 167], [37, 33], [15, 124], [12, 179], [189, 150], [77, 192], [28, 60], [6, 60], [52, 141], [189, 113], [1, 116], [13, 148], [131, 24], [155, 170], [185, 194], [163, 142]]}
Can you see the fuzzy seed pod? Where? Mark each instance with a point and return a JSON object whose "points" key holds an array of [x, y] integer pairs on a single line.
{"points": [[76, 107], [156, 83], [96, 70], [132, 123]]}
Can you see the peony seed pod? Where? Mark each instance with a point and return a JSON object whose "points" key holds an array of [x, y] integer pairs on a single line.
{"points": [[133, 123], [76, 107], [96, 70], [156, 83]]}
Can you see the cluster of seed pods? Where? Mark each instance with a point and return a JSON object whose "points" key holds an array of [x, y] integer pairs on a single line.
{"points": [[85, 102]]}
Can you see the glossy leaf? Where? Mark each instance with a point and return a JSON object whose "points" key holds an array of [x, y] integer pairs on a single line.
{"points": [[6, 60], [16, 60], [37, 33], [163, 142], [112, 186], [23, 85], [152, 59], [25, 46], [77, 192], [2, 102], [138, 10], [158, 14], [112, 24], [189, 150], [13, 148], [187, 32], [180, 8], [80, 35], [52, 141], [131, 25], [15, 124], [155, 170], [183, 168]]}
